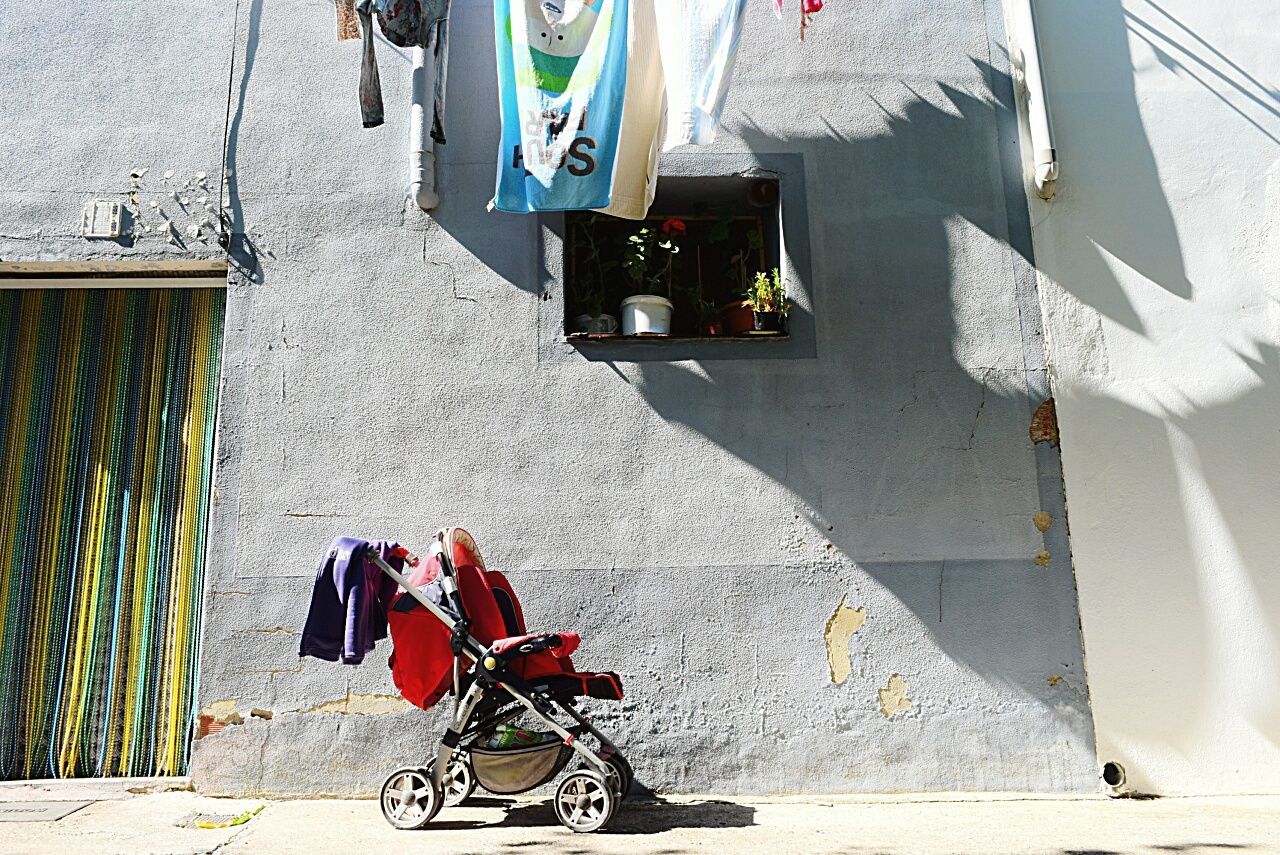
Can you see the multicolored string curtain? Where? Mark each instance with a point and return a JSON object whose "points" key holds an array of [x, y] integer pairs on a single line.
{"points": [[107, 403]]}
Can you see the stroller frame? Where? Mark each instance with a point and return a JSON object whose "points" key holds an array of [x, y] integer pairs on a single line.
{"points": [[586, 799]]}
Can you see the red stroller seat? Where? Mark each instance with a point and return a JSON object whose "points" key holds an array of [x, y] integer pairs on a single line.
{"points": [[422, 662]]}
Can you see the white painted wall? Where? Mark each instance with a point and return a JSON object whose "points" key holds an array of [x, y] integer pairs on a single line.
{"points": [[1160, 280]]}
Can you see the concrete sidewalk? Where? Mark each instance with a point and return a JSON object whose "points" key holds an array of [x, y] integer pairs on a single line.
{"points": [[898, 825]]}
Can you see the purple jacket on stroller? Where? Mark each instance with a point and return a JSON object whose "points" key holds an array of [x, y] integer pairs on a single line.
{"points": [[348, 613]]}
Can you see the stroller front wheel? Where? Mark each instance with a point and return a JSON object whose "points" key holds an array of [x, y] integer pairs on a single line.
{"points": [[584, 802], [621, 774], [409, 798]]}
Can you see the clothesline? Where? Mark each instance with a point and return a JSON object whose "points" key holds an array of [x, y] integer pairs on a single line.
{"points": [[590, 91]]}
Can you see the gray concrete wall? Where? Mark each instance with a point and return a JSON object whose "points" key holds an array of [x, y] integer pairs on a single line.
{"points": [[699, 521]]}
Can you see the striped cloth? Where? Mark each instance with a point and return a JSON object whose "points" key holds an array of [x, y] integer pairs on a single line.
{"points": [[106, 447]]}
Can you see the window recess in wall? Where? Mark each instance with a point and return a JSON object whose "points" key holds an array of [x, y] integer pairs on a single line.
{"points": [[706, 264]]}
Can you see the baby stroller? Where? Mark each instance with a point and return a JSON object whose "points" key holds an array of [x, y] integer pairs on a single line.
{"points": [[457, 626]]}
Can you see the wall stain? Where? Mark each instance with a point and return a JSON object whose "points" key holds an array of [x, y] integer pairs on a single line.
{"points": [[1042, 559], [1043, 520], [893, 697], [841, 626], [363, 705]]}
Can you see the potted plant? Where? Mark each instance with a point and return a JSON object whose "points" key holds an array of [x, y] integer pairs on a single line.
{"points": [[647, 261], [589, 285], [737, 315], [769, 304], [706, 312]]}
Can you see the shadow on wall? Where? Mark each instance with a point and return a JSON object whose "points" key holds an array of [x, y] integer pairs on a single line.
{"points": [[1189, 454], [242, 253], [907, 437], [1179, 49], [1086, 54]]}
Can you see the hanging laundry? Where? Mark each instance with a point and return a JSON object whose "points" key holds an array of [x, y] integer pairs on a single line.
{"points": [[348, 611], [699, 44], [808, 8], [404, 23], [562, 74], [643, 118]]}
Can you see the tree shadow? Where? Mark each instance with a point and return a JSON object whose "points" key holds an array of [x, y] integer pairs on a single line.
{"points": [[1168, 847], [904, 437], [905, 440], [1087, 66], [1182, 450]]}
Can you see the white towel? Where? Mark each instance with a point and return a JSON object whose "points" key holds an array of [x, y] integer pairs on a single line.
{"points": [[699, 43], [636, 175]]}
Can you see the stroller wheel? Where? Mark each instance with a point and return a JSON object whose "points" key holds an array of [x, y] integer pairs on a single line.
{"points": [[409, 799], [584, 802], [621, 776], [458, 783]]}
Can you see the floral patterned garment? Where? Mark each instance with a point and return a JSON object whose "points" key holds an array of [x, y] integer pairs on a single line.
{"points": [[405, 23]]}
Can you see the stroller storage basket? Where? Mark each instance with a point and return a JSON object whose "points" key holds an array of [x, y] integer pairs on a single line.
{"points": [[507, 771]]}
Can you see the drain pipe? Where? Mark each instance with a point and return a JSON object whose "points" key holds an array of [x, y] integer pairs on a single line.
{"points": [[422, 153], [1024, 38]]}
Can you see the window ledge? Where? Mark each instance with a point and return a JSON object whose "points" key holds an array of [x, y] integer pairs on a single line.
{"points": [[654, 338]]}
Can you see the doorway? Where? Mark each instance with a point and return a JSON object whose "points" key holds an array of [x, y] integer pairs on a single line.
{"points": [[108, 402]]}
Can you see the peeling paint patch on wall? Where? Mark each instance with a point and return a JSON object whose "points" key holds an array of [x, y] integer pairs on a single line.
{"points": [[893, 697], [1044, 423], [363, 705], [223, 711], [215, 717], [841, 626]]}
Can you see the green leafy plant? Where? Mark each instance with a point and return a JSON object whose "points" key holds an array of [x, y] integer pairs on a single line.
{"points": [[596, 265], [649, 255], [737, 270], [768, 293], [705, 311]]}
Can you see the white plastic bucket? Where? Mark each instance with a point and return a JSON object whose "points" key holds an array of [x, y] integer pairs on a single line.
{"points": [[646, 313]]}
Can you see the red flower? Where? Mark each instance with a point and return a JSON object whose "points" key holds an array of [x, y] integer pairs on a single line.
{"points": [[673, 227]]}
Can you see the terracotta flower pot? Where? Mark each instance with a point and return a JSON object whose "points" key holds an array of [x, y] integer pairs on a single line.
{"points": [[737, 318]]}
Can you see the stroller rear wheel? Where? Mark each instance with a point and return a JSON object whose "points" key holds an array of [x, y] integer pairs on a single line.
{"points": [[409, 798], [458, 783], [584, 802]]}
